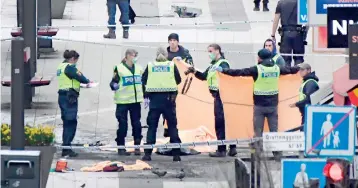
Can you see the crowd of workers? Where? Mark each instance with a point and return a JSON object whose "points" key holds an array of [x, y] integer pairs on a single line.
{"points": [[158, 84]]}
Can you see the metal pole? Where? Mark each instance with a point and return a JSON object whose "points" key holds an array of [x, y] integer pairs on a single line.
{"points": [[17, 94], [29, 32], [20, 12], [253, 161], [44, 19], [352, 51]]}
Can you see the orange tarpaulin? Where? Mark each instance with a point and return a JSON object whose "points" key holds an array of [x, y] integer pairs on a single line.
{"points": [[236, 94], [195, 108]]}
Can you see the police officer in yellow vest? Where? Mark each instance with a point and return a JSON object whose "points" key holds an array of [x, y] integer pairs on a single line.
{"points": [[308, 87], [161, 79], [266, 77], [127, 84], [69, 79], [217, 60]]}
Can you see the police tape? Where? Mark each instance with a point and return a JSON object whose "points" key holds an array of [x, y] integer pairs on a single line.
{"points": [[193, 50], [5, 39], [168, 146], [152, 25]]}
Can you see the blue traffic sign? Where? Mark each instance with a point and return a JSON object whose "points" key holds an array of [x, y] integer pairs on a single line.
{"points": [[321, 5], [330, 131], [298, 172], [302, 11]]}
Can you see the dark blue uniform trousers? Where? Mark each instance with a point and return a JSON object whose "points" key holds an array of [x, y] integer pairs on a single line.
{"points": [[134, 110], [168, 110], [292, 42], [69, 118], [220, 121]]}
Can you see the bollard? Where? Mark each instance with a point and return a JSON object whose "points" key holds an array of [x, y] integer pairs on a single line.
{"points": [[17, 94], [29, 32]]}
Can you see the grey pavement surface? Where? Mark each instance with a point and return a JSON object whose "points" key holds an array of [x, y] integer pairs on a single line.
{"points": [[96, 109]]}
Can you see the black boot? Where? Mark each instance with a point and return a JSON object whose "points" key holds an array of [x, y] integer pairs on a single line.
{"points": [[125, 34], [147, 157], [69, 153], [166, 132], [218, 154], [176, 158], [232, 152], [137, 150], [123, 152], [110, 35], [265, 8], [257, 7]]}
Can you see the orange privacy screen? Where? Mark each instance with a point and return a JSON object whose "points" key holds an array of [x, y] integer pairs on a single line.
{"points": [[195, 108]]}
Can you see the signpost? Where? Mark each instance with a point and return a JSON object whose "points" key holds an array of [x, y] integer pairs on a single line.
{"points": [[283, 141], [17, 93], [353, 51], [296, 172], [338, 20], [317, 10], [302, 12], [330, 131], [29, 32]]}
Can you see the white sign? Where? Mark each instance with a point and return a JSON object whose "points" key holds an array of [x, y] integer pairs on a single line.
{"points": [[283, 141]]}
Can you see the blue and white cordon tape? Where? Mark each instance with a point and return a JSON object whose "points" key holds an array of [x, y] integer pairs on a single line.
{"points": [[167, 146]]}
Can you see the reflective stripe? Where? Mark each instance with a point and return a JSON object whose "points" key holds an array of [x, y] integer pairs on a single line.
{"points": [[213, 88], [265, 92], [161, 89]]}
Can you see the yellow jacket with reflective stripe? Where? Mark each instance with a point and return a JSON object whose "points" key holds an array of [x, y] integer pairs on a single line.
{"points": [[267, 80], [161, 77], [211, 78], [130, 85], [64, 82], [301, 95]]}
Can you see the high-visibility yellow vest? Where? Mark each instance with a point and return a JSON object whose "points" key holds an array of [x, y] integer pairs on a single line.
{"points": [[211, 78], [267, 80], [301, 95], [275, 58], [130, 85], [64, 82], [161, 77]]}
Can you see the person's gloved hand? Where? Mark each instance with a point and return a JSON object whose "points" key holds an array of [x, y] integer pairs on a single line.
{"points": [[178, 58], [190, 70], [115, 86], [219, 69], [146, 102], [89, 84]]}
